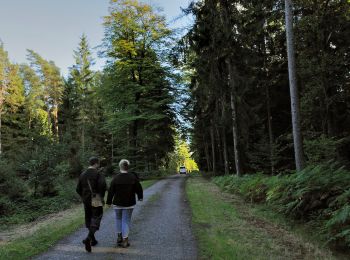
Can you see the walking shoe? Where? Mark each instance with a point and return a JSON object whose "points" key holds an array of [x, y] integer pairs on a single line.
{"points": [[94, 242], [125, 243], [119, 239], [87, 243]]}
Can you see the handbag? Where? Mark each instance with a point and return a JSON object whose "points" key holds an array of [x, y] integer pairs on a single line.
{"points": [[96, 200]]}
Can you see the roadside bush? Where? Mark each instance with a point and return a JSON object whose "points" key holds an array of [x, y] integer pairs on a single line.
{"points": [[208, 175], [255, 187], [307, 194], [318, 194], [11, 187], [338, 226], [321, 149], [43, 166], [154, 174], [37, 183]]}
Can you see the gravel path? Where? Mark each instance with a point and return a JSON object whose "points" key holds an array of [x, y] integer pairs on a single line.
{"points": [[161, 229]]}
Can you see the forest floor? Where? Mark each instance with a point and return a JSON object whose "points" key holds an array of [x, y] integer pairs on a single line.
{"points": [[227, 227]]}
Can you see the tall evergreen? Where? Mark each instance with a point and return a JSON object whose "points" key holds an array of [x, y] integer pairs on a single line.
{"points": [[238, 53], [52, 84], [12, 120], [80, 82], [34, 103]]}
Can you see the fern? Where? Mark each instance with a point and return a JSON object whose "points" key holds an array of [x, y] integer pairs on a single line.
{"points": [[339, 217], [319, 193]]}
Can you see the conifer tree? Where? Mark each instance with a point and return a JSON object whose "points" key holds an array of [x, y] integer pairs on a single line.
{"points": [[12, 118], [81, 80], [52, 83]]}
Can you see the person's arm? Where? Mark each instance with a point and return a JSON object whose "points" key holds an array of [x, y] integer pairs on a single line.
{"points": [[111, 192], [102, 186], [139, 190], [79, 188], [136, 175]]}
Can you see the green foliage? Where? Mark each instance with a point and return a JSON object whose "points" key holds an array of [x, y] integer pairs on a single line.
{"points": [[80, 108], [51, 126], [50, 90], [11, 186], [43, 167], [181, 157], [255, 187], [136, 92], [317, 194], [12, 98], [26, 208], [250, 36], [321, 149]]}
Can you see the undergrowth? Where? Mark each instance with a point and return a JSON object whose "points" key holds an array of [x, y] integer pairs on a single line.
{"points": [[29, 208], [318, 195]]}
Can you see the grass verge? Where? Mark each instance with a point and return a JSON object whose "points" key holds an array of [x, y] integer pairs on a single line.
{"points": [[147, 183], [226, 227], [45, 237], [48, 234]]}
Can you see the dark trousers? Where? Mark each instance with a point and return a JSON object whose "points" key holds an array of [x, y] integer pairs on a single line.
{"points": [[93, 217]]}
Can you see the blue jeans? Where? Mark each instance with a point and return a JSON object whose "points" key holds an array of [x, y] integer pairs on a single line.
{"points": [[123, 219]]}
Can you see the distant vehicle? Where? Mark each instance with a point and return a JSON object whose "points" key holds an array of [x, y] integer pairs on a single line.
{"points": [[182, 170]]}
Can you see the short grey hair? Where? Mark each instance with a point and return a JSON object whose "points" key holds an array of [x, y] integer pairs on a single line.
{"points": [[124, 164]]}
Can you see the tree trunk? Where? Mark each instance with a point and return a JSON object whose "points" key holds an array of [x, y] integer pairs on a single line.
{"points": [[213, 148], [49, 120], [135, 129], [206, 150], [220, 150], [55, 117], [1, 108], [227, 171], [0, 131], [268, 100], [269, 123], [298, 145], [156, 161], [134, 137], [224, 141], [234, 118], [83, 137], [112, 141], [219, 143], [235, 136]]}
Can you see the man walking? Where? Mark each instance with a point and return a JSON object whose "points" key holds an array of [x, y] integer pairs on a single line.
{"points": [[122, 191], [92, 186]]}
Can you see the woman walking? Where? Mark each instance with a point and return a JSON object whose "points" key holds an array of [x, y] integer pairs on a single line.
{"points": [[121, 193]]}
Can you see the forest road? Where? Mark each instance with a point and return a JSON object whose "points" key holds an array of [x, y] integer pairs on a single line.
{"points": [[161, 229]]}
